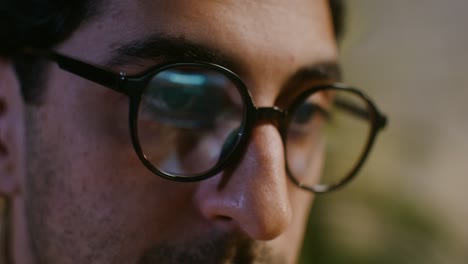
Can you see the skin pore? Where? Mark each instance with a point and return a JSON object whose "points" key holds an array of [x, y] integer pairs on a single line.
{"points": [[87, 197]]}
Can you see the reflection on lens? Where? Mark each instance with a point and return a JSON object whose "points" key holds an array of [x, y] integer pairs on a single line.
{"points": [[327, 134], [186, 116]]}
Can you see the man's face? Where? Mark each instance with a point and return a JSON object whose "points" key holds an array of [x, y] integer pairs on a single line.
{"points": [[89, 199]]}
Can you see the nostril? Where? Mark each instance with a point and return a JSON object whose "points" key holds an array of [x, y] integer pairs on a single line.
{"points": [[3, 107], [224, 218]]}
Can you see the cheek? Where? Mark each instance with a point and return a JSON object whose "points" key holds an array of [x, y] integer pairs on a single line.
{"points": [[290, 242], [96, 185], [104, 167]]}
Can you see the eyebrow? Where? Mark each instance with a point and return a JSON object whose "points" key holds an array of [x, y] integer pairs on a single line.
{"points": [[163, 47], [167, 48]]}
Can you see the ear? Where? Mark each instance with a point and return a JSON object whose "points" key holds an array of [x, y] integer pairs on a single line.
{"points": [[11, 131]]}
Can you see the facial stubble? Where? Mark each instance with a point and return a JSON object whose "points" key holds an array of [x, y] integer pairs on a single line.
{"points": [[43, 178]]}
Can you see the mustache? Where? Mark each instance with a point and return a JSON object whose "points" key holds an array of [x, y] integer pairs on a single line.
{"points": [[211, 249]]}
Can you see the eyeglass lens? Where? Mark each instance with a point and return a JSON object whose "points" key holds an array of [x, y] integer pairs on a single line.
{"points": [[335, 122], [187, 118]]}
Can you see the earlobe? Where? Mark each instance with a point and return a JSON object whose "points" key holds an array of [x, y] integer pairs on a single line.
{"points": [[11, 127]]}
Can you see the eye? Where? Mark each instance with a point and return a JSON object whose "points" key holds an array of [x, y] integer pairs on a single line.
{"points": [[307, 118], [188, 98], [175, 99], [307, 111], [183, 90], [182, 106]]}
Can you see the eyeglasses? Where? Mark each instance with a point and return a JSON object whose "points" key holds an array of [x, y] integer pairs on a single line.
{"points": [[189, 121]]}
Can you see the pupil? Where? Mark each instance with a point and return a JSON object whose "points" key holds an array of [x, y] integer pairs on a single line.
{"points": [[304, 113], [175, 98]]}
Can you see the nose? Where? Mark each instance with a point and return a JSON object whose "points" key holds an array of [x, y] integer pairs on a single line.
{"points": [[252, 195]]}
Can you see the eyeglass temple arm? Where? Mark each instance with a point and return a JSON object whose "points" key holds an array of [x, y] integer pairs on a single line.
{"points": [[82, 69], [362, 112]]}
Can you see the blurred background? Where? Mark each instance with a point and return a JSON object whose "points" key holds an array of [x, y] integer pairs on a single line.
{"points": [[408, 205]]}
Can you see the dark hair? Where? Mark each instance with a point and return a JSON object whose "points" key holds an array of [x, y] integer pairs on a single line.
{"points": [[39, 24], [45, 23]]}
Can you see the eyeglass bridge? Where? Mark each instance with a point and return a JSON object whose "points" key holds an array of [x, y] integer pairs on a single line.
{"points": [[272, 114]]}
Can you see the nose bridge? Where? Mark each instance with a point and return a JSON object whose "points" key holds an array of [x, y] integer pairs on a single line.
{"points": [[255, 197]]}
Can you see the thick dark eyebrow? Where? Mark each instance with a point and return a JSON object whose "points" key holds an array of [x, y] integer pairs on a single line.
{"points": [[321, 71], [162, 47]]}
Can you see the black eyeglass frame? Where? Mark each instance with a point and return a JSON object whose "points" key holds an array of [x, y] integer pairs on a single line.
{"points": [[134, 86]]}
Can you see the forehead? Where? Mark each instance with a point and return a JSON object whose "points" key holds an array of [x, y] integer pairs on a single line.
{"points": [[252, 27]]}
